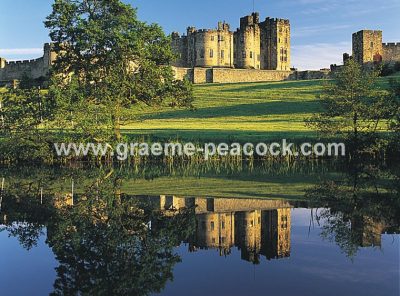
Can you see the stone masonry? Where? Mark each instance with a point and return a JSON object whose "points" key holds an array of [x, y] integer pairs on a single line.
{"points": [[368, 48], [255, 45], [34, 69]]}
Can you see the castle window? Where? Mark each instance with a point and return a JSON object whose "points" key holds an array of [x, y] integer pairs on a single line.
{"points": [[220, 38], [212, 38], [211, 53], [212, 226], [286, 40], [223, 225], [279, 40], [223, 240], [372, 44], [222, 54], [251, 54], [202, 54]]}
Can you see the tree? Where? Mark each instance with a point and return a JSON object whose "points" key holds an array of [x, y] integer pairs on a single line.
{"points": [[352, 104], [116, 59], [24, 113]]}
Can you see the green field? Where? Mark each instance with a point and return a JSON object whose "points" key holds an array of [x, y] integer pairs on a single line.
{"points": [[243, 112], [246, 111]]}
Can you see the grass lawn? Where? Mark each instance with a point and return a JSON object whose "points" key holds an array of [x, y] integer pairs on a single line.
{"points": [[245, 111]]}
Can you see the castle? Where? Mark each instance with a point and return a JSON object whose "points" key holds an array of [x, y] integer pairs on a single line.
{"points": [[36, 69], [255, 45], [368, 48], [256, 227]]}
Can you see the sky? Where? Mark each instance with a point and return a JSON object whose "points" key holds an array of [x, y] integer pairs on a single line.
{"points": [[321, 29]]}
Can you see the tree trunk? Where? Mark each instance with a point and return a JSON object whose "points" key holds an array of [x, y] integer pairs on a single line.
{"points": [[355, 129]]}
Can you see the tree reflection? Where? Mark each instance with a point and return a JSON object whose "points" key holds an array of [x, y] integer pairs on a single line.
{"points": [[106, 243], [358, 207]]}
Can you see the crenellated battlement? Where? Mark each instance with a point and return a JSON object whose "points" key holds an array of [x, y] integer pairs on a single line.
{"points": [[24, 62], [391, 44], [368, 48], [34, 68], [254, 45], [277, 21]]}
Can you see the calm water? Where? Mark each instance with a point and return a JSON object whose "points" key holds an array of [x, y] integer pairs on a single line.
{"points": [[97, 231]]}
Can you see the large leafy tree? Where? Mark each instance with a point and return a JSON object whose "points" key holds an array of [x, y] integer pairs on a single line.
{"points": [[115, 60], [353, 105]]}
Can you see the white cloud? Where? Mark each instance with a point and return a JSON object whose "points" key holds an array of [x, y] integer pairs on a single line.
{"points": [[319, 55], [313, 30], [21, 53]]}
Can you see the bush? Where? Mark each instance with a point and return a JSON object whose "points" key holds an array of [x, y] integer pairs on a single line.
{"points": [[397, 66], [387, 70]]}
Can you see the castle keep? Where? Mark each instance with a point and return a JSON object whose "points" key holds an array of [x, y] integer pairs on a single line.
{"points": [[369, 48], [255, 45]]}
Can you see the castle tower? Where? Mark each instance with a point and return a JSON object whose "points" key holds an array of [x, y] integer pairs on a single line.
{"points": [[248, 234], [215, 230], [247, 43], [49, 56], [367, 47], [275, 44], [180, 48], [210, 48], [276, 232]]}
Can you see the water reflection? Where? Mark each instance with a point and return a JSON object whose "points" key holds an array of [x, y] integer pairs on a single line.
{"points": [[107, 240]]}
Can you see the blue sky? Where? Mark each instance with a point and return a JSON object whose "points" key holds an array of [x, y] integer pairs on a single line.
{"points": [[321, 29]]}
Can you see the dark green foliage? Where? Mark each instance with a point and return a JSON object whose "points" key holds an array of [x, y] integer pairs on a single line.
{"points": [[24, 112], [353, 106], [397, 66], [117, 60]]}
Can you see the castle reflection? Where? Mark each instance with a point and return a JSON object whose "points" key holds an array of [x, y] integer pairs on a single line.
{"points": [[256, 227]]}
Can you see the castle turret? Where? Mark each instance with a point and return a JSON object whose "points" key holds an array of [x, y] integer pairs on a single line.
{"points": [[210, 48], [247, 43], [49, 55]]}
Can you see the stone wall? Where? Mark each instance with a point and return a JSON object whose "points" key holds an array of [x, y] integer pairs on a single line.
{"points": [[391, 52], [34, 69], [228, 75], [243, 75], [16, 70]]}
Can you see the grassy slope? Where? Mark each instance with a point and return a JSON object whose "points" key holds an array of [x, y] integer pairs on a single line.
{"points": [[246, 111]]}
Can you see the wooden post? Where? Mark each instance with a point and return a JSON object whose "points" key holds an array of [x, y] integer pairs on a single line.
{"points": [[72, 191], [1, 193], [2, 117]]}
